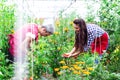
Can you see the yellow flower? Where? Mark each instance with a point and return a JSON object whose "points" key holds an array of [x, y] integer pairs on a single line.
{"points": [[78, 73], [59, 73], [90, 68], [72, 69], [86, 72], [56, 69], [57, 23], [80, 62], [71, 23], [56, 33], [12, 31], [62, 62], [77, 67], [65, 29], [59, 48], [77, 62], [64, 67], [75, 72]]}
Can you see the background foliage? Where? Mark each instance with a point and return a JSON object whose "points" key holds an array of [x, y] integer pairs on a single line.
{"points": [[47, 53]]}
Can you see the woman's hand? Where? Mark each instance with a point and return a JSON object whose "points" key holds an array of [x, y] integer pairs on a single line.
{"points": [[67, 55]]}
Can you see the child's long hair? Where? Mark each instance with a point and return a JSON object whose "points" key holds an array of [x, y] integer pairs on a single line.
{"points": [[81, 37]]}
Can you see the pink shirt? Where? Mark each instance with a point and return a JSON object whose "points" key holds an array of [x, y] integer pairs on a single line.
{"points": [[20, 35]]}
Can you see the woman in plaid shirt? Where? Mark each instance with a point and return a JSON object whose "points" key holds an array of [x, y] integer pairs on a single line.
{"points": [[88, 36]]}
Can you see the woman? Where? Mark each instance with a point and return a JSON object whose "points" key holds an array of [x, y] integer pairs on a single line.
{"points": [[88, 36], [19, 42]]}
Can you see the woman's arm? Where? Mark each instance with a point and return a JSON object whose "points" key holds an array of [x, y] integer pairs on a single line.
{"points": [[73, 50], [26, 42], [75, 54], [70, 53]]}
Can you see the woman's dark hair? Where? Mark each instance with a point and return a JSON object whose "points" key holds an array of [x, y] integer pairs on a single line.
{"points": [[81, 37]]}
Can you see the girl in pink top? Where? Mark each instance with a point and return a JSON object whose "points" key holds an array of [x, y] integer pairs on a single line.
{"points": [[25, 35]]}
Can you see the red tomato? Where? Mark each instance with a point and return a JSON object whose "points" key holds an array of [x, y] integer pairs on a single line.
{"points": [[31, 78]]}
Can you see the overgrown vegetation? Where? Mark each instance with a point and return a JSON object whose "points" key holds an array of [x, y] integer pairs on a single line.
{"points": [[47, 53]]}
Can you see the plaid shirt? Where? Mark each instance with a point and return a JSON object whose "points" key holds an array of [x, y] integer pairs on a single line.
{"points": [[94, 31]]}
